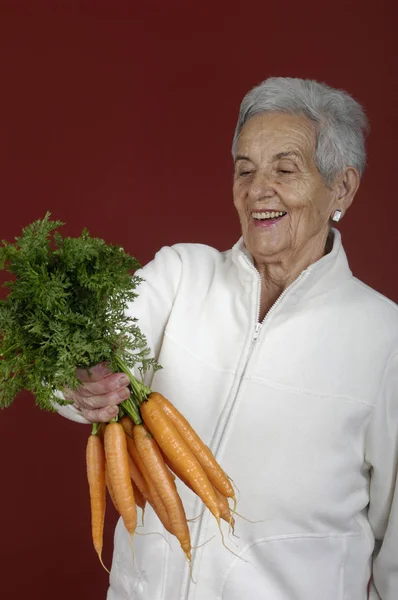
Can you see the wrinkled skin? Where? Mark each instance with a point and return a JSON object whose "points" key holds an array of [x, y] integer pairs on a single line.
{"points": [[263, 179], [275, 171], [100, 393]]}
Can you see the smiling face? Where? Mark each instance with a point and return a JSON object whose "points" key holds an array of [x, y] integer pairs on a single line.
{"points": [[283, 202]]}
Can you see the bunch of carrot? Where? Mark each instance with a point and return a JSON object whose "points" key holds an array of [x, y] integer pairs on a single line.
{"points": [[68, 305], [138, 461]]}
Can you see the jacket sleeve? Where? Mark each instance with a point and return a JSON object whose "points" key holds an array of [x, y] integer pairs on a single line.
{"points": [[382, 455], [152, 308]]}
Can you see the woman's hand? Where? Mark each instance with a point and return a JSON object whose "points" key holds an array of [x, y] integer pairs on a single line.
{"points": [[100, 394]]}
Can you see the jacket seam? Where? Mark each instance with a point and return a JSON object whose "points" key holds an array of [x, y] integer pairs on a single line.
{"points": [[309, 536], [188, 351], [381, 390], [298, 536], [305, 392], [273, 384], [177, 292]]}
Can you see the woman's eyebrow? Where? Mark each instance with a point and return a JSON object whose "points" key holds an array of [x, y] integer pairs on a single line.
{"points": [[287, 154], [242, 157]]}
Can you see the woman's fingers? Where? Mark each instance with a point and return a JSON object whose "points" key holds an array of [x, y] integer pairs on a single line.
{"points": [[96, 373], [97, 401], [103, 386], [101, 415], [98, 409], [100, 393]]}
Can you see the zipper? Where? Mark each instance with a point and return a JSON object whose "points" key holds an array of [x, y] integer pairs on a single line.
{"points": [[256, 333], [259, 323]]}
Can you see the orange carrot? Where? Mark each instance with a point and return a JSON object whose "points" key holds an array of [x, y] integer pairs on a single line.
{"points": [[119, 474], [135, 473], [109, 487], [127, 425], [166, 460], [95, 461], [225, 511], [165, 485], [142, 477], [204, 455], [156, 501], [174, 470], [139, 498], [178, 453]]}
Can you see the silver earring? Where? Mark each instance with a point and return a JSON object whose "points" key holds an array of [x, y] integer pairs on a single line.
{"points": [[337, 215]]}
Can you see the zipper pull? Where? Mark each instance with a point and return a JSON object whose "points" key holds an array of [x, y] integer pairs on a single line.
{"points": [[256, 331]]}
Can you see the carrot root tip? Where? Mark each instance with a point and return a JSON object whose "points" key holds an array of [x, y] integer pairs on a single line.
{"points": [[131, 546], [205, 542], [248, 520], [196, 518], [102, 563], [225, 545], [190, 570]]}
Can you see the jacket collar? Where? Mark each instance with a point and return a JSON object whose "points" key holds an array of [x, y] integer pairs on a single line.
{"points": [[321, 277]]}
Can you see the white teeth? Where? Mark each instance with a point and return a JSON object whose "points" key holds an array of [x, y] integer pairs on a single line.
{"points": [[267, 215]]}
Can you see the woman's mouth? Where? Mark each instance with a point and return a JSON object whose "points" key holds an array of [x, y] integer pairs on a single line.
{"points": [[267, 218]]}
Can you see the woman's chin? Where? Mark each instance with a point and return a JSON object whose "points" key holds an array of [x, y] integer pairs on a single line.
{"points": [[264, 248]]}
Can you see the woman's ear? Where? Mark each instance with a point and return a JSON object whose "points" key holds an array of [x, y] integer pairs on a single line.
{"points": [[347, 187]]}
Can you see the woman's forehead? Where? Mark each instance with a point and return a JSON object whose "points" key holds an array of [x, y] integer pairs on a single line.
{"points": [[279, 134]]}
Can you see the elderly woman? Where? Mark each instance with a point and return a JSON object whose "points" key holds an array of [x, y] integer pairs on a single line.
{"points": [[286, 365]]}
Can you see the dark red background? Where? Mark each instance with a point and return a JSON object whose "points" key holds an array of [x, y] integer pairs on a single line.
{"points": [[119, 117]]}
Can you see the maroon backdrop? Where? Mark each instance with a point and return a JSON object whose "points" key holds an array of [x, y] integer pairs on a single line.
{"points": [[119, 118]]}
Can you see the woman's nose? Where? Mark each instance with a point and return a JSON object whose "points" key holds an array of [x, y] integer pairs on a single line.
{"points": [[261, 186]]}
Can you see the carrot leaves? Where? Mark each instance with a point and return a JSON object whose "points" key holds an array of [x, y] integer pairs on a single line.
{"points": [[67, 306]]}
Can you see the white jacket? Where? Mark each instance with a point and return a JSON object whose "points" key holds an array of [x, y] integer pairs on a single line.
{"points": [[302, 413]]}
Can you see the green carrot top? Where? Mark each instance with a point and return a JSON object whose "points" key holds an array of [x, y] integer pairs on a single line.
{"points": [[66, 307]]}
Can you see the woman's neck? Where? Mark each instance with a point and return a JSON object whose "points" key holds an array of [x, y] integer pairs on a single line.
{"points": [[276, 275]]}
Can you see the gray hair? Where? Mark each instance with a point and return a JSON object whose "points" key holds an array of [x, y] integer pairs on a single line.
{"points": [[340, 121]]}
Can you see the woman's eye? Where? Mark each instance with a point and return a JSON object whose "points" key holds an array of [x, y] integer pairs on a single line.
{"points": [[284, 171], [244, 173]]}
